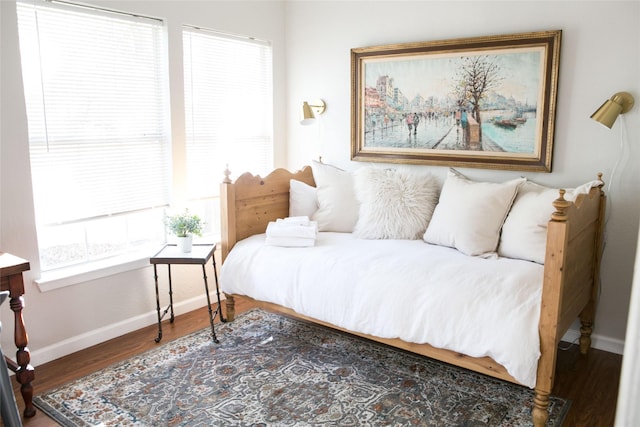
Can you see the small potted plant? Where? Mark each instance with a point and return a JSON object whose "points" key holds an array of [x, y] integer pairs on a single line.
{"points": [[184, 226]]}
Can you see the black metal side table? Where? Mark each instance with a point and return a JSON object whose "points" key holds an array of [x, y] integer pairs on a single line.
{"points": [[200, 254]]}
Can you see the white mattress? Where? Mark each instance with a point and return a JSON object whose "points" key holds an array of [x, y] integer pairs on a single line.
{"points": [[404, 289]]}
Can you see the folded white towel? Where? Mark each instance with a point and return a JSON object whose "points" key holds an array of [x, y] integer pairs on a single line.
{"points": [[283, 229], [290, 242], [294, 220]]}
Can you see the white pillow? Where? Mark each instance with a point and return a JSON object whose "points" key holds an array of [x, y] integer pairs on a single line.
{"points": [[337, 204], [524, 233], [394, 204], [303, 199], [469, 214]]}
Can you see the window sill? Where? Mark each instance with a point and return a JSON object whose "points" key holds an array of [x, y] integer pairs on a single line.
{"points": [[60, 278]]}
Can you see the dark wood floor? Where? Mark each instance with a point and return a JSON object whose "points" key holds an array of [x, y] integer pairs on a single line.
{"points": [[590, 382]]}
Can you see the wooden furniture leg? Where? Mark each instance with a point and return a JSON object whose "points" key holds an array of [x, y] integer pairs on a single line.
{"points": [[24, 371], [586, 327], [11, 269], [231, 307], [8, 406], [540, 408]]}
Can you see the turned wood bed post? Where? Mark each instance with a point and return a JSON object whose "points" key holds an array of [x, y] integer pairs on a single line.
{"points": [[587, 316], [555, 258], [227, 215], [228, 231], [230, 304]]}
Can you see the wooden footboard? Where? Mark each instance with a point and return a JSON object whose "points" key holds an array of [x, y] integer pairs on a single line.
{"points": [[571, 280], [571, 270]]}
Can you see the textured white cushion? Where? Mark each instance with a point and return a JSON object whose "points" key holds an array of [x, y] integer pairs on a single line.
{"points": [[524, 233], [303, 199], [394, 204], [337, 204], [469, 214]]}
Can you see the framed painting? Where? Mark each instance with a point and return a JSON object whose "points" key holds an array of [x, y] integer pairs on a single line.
{"points": [[486, 102]]}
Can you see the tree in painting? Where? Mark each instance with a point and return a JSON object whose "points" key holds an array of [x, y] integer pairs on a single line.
{"points": [[477, 76]]}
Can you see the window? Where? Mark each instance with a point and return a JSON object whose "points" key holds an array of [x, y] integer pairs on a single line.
{"points": [[228, 110], [97, 107]]}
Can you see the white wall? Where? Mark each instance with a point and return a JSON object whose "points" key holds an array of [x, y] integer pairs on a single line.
{"points": [[600, 55], [628, 411], [70, 318]]}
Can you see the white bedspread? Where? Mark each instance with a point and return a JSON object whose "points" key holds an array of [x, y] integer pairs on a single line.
{"points": [[404, 289]]}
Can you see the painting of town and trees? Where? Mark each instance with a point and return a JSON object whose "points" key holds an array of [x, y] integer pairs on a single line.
{"points": [[482, 103]]}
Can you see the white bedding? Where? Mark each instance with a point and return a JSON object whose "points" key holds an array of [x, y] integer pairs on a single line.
{"points": [[404, 289]]}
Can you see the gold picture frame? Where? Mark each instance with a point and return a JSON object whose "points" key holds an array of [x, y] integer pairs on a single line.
{"points": [[486, 102]]}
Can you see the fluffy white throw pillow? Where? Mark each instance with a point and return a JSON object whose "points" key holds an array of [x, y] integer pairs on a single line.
{"points": [[337, 204], [470, 214], [394, 204]]}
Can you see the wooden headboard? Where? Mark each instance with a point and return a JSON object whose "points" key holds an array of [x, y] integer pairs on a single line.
{"points": [[248, 204]]}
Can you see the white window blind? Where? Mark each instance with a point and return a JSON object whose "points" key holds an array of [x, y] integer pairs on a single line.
{"points": [[97, 107], [228, 107]]}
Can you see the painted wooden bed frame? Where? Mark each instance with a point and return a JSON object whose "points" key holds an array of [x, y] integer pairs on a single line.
{"points": [[571, 270]]}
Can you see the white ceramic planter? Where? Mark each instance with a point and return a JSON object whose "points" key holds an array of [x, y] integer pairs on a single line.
{"points": [[185, 243]]}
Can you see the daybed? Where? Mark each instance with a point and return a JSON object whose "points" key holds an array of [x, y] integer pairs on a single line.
{"points": [[489, 307]]}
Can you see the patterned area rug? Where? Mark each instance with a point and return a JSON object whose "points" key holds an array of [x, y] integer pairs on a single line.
{"points": [[270, 370]]}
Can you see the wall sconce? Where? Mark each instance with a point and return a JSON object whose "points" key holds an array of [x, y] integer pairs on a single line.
{"points": [[608, 112], [309, 111]]}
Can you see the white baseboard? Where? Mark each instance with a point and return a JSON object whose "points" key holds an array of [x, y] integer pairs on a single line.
{"points": [[97, 336], [597, 341]]}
